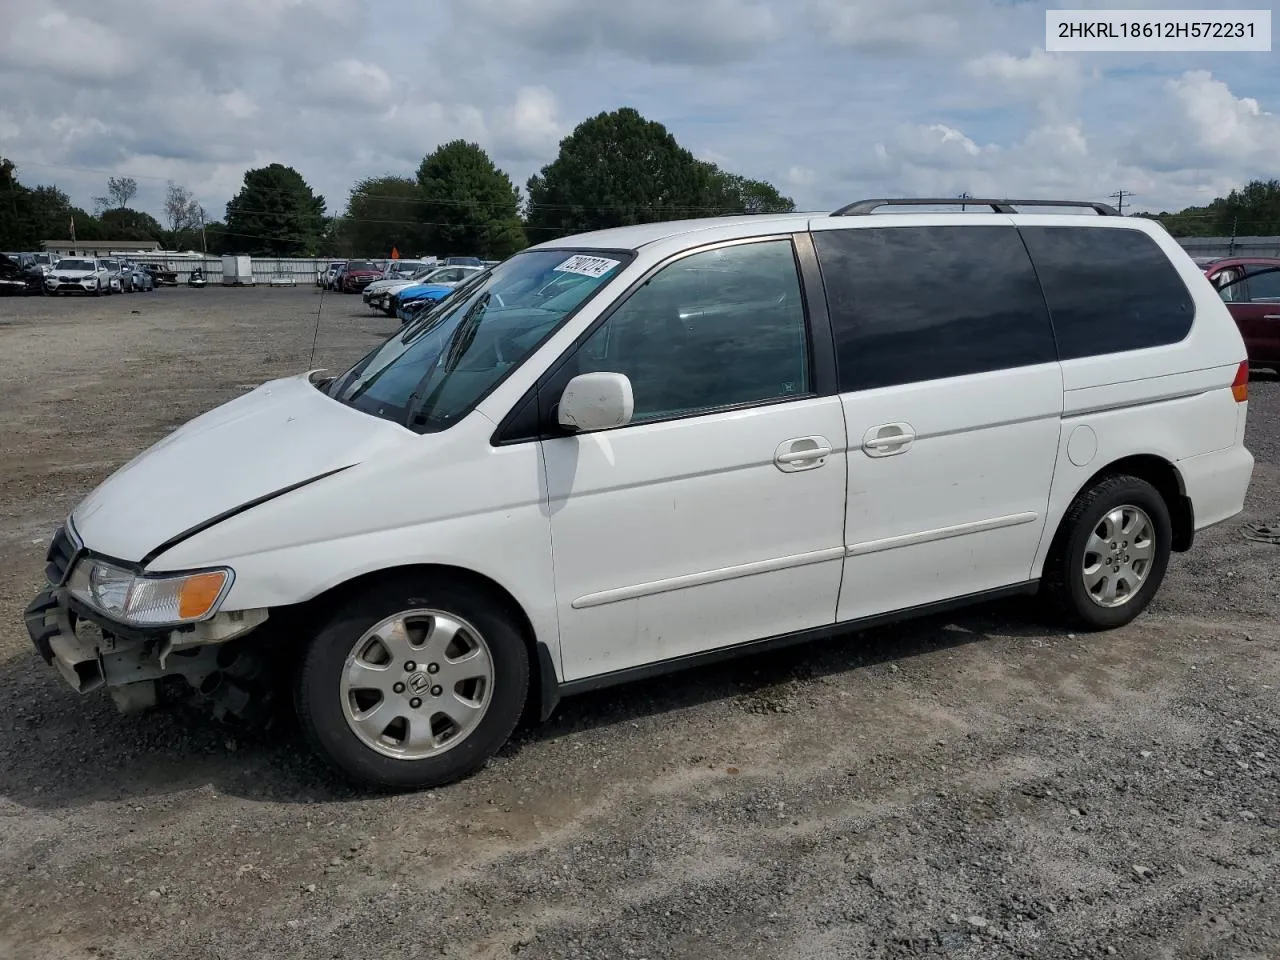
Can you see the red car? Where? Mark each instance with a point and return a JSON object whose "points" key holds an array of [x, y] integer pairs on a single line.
{"points": [[356, 275], [1250, 287]]}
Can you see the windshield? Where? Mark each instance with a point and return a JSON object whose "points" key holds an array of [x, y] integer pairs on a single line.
{"points": [[355, 265], [433, 372], [75, 264]]}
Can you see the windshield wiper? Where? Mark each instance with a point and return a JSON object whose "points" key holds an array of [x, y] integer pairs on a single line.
{"points": [[450, 356], [466, 332]]}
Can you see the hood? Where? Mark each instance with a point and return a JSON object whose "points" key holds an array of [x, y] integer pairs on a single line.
{"points": [[74, 274], [281, 435], [392, 286], [364, 273]]}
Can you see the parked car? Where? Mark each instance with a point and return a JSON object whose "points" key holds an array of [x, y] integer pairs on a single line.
{"points": [[355, 275], [434, 286], [325, 278], [648, 447], [18, 277], [162, 276], [378, 295], [142, 279], [79, 275], [1250, 287], [121, 275], [463, 262]]}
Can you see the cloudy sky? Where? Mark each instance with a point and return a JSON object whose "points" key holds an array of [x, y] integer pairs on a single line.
{"points": [[831, 100]]}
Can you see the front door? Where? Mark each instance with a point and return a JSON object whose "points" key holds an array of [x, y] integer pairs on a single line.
{"points": [[953, 401], [716, 516]]}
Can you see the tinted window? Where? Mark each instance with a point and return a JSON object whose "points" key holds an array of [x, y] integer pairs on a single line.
{"points": [[921, 303], [713, 329], [1265, 285], [1108, 289]]}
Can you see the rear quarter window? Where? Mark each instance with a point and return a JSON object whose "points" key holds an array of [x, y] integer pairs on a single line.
{"points": [[1108, 289], [909, 304]]}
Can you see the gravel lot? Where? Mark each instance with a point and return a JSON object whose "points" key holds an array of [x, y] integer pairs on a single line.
{"points": [[975, 786]]}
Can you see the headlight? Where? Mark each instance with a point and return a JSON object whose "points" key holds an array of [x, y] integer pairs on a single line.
{"points": [[152, 600]]}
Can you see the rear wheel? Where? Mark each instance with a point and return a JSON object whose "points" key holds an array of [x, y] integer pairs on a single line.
{"points": [[1110, 554], [413, 683]]}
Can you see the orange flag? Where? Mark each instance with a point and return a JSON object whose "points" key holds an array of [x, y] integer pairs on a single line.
{"points": [[395, 254]]}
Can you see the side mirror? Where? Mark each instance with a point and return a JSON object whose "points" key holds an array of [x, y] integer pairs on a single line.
{"points": [[596, 401]]}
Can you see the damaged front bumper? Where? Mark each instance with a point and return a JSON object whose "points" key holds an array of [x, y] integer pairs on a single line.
{"points": [[93, 651]]}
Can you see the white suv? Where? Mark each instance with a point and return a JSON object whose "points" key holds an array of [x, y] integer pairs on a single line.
{"points": [[634, 450], [79, 275]]}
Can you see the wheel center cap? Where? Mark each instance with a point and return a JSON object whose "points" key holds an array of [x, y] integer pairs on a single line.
{"points": [[419, 683]]}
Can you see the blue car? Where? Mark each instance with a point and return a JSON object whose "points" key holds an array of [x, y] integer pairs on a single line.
{"points": [[413, 297]]}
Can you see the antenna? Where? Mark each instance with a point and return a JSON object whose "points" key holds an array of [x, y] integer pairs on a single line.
{"points": [[316, 333]]}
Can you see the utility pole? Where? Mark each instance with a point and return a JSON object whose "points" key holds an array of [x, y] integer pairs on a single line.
{"points": [[1118, 197], [966, 195], [204, 243]]}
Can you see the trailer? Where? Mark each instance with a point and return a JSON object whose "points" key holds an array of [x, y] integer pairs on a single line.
{"points": [[237, 271]]}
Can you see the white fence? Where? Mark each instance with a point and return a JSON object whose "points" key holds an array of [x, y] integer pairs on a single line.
{"points": [[304, 270], [1231, 246], [264, 268]]}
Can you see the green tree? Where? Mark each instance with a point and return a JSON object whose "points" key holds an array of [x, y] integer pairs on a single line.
{"points": [[123, 223], [617, 169], [275, 214], [470, 207], [1252, 210], [382, 213], [733, 193]]}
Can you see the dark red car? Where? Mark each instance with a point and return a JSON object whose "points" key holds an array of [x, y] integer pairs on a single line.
{"points": [[1250, 287], [356, 275]]}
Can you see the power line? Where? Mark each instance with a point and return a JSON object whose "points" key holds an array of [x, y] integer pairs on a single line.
{"points": [[1118, 197]]}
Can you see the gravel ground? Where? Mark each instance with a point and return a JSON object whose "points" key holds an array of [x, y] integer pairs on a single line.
{"points": [[972, 786]]}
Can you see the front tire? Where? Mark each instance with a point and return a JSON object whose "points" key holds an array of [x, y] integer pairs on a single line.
{"points": [[1111, 553], [413, 683]]}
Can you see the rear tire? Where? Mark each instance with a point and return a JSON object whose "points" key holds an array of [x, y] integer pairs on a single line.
{"points": [[1110, 554], [373, 732]]}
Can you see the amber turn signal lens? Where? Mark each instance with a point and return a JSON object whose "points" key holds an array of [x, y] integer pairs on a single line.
{"points": [[199, 593], [1240, 385]]}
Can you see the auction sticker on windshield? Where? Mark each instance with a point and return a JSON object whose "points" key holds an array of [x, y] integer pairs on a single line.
{"points": [[587, 266]]}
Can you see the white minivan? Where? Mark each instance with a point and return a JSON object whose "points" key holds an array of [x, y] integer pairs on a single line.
{"points": [[629, 451]]}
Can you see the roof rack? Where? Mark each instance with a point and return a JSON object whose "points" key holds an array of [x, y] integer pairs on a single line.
{"points": [[863, 207]]}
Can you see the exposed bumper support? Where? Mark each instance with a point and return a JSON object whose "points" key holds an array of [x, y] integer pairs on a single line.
{"points": [[130, 663]]}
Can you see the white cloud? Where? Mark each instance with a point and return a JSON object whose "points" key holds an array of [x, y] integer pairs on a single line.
{"points": [[1223, 124], [238, 104], [531, 125], [341, 90], [349, 82], [800, 177], [1052, 81]]}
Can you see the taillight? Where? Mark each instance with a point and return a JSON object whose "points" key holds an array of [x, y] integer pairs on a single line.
{"points": [[1240, 385]]}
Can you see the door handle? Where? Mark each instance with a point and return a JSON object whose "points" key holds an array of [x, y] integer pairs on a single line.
{"points": [[802, 453], [888, 439], [1271, 316]]}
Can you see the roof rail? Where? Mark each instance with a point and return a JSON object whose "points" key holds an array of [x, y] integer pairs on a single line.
{"points": [[863, 207]]}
